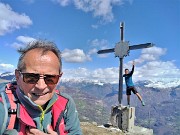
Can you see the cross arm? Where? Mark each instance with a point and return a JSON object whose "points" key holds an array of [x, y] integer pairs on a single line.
{"points": [[141, 46], [106, 51]]}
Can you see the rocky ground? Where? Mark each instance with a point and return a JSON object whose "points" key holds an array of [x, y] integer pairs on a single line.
{"points": [[94, 129]]}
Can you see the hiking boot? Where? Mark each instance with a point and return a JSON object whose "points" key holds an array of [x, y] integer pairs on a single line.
{"points": [[143, 104]]}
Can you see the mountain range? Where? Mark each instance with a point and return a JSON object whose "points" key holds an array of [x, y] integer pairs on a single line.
{"points": [[94, 100], [155, 83]]}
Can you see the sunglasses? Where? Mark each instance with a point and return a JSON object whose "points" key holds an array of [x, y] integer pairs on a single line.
{"points": [[32, 78]]}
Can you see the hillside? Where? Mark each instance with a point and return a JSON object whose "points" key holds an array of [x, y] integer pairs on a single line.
{"points": [[161, 112]]}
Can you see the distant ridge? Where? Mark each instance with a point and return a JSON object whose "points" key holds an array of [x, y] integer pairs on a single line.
{"points": [[7, 76], [153, 83]]}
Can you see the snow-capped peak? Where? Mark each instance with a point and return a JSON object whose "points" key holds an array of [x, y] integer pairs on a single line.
{"points": [[163, 83], [6, 74]]}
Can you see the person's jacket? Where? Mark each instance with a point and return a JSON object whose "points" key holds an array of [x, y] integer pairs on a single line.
{"points": [[60, 113]]}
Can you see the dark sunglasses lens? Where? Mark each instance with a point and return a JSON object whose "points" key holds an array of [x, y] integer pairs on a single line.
{"points": [[51, 79], [30, 78]]}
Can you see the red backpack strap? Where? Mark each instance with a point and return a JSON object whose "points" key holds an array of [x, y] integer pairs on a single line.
{"points": [[1, 100], [58, 113], [9, 91]]}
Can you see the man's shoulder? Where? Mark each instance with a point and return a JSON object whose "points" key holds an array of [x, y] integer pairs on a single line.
{"points": [[68, 97], [70, 104], [65, 95]]}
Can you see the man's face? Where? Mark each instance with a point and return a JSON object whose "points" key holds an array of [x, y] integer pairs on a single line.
{"points": [[48, 63], [126, 71]]}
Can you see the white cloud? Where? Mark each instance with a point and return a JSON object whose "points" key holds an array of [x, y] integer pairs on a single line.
{"points": [[149, 69], [17, 45], [6, 68], [106, 75], [10, 20], [149, 66], [100, 8], [92, 51], [25, 39], [98, 44], [76, 73], [154, 50], [22, 41], [151, 54], [63, 2], [76, 55], [158, 69], [79, 56], [95, 26]]}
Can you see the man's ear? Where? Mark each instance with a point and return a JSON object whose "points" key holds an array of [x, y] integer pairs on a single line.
{"points": [[17, 74]]}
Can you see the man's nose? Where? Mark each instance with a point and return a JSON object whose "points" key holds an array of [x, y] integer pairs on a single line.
{"points": [[41, 83]]}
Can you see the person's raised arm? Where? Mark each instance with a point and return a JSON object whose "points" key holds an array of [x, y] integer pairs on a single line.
{"points": [[133, 64]]}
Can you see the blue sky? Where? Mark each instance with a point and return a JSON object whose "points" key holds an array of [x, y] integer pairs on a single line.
{"points": [[82, 27]]}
